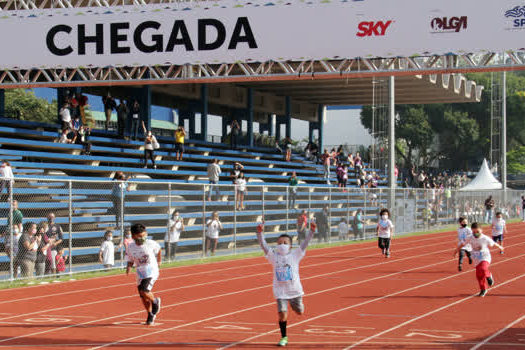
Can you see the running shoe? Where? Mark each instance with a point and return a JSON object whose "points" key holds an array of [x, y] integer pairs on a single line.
{"points": [[501, 252], [155, 308], [490, 281], [482, 293], [283, 341], [151, 319]]}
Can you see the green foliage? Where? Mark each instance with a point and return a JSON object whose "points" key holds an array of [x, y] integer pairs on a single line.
{"points": [[516, 161], [24, 105]]}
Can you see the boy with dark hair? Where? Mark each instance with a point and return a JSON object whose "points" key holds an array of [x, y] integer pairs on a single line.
{"points": [[385, 231], [481, 255], [463, 232], [287, 288], [499, 229], [146, 255]]}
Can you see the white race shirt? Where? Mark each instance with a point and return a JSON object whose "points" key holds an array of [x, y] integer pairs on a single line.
{"points": [[480, 248], [108, 253], [497, 227], [174, 231], [6, 172], [286, 280], [385, 228], [463, 234], [213, 229], [241, 184], [145, 258], [343, 229]]}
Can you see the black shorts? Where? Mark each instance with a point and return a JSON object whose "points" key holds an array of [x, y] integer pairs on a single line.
{"points": [[497, 238], [145, 285], [179, 147]]}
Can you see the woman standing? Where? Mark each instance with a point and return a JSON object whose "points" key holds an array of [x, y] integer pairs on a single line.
{"points": [[171, 240], [234, 133], [214, 226], [240, 185], [27, 247], [150, 144], [118, 194], [44, 245]]}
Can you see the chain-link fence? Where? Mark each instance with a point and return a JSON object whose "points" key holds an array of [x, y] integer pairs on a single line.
{"points": [[54, 227]]}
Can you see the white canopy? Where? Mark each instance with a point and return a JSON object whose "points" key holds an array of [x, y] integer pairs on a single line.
{"points": [[484, 180]]}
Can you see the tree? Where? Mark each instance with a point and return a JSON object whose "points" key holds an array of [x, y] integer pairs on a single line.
{"points": [[459, 138], [24, 105], [516, 161]]}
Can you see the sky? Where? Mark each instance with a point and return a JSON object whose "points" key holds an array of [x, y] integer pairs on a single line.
{"points": [[342, 124]]}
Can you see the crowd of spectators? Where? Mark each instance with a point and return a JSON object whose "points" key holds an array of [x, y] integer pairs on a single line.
{"points": [[429, 180]]}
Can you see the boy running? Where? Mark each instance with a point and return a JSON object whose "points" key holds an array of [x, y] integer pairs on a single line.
{"points": [[287, 288], [481, 255], [499, 229], [463, 232], [385, 232], [146, 255]]}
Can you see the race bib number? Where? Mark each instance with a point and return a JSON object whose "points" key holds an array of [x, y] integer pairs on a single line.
{"points": [[477, 255], [284, 273], [144, 271]]}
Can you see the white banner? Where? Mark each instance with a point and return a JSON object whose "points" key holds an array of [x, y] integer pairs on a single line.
{"points": [[229, 31]]}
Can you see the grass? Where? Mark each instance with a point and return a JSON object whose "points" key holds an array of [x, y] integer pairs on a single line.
{"points": [[199, 261]]}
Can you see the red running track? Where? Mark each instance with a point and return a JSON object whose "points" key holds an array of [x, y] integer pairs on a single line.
{"points": [[355, 299]]}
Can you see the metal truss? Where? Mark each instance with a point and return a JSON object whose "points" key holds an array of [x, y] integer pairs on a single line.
{"points": [[263, 71]]}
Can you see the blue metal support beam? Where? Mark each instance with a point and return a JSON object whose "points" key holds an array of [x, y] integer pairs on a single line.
{"points": [[204, 112], [249, 117], [320, 126], [288, 116]]}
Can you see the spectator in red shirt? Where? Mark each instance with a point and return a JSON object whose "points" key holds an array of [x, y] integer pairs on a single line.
{"points": [[60, 260], [302, 224]]}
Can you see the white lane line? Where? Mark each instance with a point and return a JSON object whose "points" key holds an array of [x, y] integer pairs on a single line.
{"points": [[444, 307], [221, 281], [233, 293], [362, 303], [240, 266], [504, 329]]}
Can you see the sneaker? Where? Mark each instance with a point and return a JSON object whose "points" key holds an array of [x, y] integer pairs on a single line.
{"points": [[482, 293], [150, 320], [490, 281], [501, 252], [283, 341], [460, 268], [155, 308]]}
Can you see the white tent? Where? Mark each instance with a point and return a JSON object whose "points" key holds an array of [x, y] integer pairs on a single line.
{"points": [[484, 180]]}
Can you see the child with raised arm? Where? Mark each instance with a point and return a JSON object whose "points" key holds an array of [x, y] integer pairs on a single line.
{"points": [[146, 255], [463, 232], [499, 229], [481, 254], [287, 288]]}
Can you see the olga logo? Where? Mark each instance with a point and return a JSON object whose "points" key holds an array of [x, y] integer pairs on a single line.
{"points": [[448, 25], [517, 17], [373, 28]]}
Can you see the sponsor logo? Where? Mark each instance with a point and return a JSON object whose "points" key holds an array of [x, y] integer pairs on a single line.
{"points": [[448, 24], [373, 28], [516, 15]]}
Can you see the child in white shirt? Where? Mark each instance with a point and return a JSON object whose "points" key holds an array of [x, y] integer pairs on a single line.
{"points": [[343, 229], [385, 232], [463, 232], [287, 288], [499, 229], [106, 255]]}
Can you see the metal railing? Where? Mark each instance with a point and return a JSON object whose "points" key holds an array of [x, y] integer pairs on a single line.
{"points": [[71, 218]]}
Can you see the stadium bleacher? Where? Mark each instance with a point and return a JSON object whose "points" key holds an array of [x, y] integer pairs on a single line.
{"points": [[53, 173]]}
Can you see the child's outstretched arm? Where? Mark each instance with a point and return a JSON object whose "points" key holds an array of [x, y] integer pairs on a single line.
{"points": [[458, 248], [499, 247], [260, 238], [304, 244]]}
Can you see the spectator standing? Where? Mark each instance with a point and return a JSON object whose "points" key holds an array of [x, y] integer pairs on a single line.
{"points": [[55, 236], [106, 254], [60, 261], [292, 190], [43, 247], [27, 247], [302, 225], [122, 114], [288, 147], [82, 105], [523, 208], [343, 230], [6, 176], [65, 116], [109, 106], [489, 206], [235, 130], [180, 135], [358, 164], [172, 237], [237, 168], [135, 119], [214, 171], [325, 159], [240, 186], [118, 195], [214, 226], [358, 225], [321, 219], [150, 145]]}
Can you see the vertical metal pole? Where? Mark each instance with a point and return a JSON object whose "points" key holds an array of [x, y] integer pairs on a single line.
{"points": [[204, 220], [309, 207], [262, 198], [11, 238], [168, 248], [503, 152], [235, 221], [287, 209], [329, 214], [70, 227], [122, 210], [348, 211], [391, 141]]}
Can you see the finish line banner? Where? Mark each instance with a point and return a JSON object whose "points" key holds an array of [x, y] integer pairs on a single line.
{"points": [[227, 31]]}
